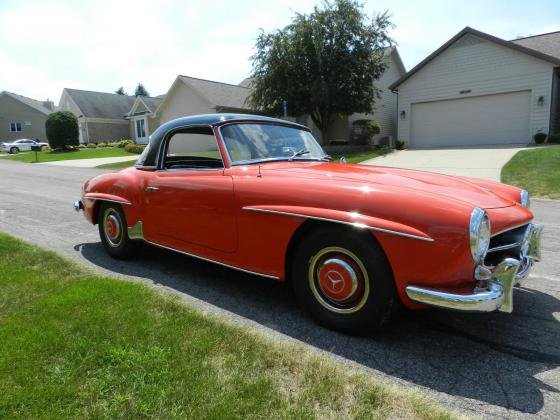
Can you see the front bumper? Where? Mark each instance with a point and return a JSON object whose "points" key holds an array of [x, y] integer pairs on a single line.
{"points": [[78, 205], [499, 281]]}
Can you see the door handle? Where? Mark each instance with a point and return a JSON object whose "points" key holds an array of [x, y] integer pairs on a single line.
{"points": [[150, 188]]}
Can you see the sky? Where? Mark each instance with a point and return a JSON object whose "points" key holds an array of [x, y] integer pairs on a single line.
{"points": [[46, 45]]}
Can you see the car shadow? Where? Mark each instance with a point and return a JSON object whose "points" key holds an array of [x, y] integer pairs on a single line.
{"points": [[494, 358]]}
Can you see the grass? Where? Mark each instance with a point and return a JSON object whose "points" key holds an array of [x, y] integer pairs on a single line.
{"points": [[350, 158], [537, 170], [75, 344], [101, 152]]}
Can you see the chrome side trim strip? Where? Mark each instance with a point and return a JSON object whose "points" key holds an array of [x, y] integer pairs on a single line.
{"points": [[212, 261], [136, 231], [126, 203], [355, 224]]}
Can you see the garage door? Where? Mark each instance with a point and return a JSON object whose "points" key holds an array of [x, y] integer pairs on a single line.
{"points": [[478, 120]]}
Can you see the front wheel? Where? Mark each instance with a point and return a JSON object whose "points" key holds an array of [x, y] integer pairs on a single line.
{"points": [[342, 278], [14, 150], [114, 232]]}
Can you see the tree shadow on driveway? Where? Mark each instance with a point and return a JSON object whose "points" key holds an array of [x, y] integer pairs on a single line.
{"points": [[492, 358]]}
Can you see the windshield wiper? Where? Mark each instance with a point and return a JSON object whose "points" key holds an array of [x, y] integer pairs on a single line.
{"points": [[299, 153]]}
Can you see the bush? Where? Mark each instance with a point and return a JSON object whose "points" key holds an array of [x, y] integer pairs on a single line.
{"points": [[540, 138], [102, 144], [62, 130], [113, 144], [364, 130], [554, 138], [92, 146], [82, 146], [134, 148], [123, 143], [339, 142], [399, 144]]}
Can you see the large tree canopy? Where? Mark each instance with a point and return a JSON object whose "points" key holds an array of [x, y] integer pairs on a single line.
{"points": [[324, 64]]}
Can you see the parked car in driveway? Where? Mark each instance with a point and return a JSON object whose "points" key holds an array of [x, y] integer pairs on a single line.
{"points": [[22, 145], [260, 195]]}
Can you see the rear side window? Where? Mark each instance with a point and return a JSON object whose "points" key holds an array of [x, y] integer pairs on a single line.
{"points": [[194, 148]]}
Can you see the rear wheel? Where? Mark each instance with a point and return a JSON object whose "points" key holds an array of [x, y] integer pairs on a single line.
{"points": [[14, 150], [114, 232], [342, 278]]}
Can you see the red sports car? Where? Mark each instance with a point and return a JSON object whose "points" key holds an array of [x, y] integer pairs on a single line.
{"points": [[260, 195]]}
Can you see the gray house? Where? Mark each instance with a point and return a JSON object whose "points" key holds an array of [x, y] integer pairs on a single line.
{"points": [[23, 117], [101, 116], [478, 89]]}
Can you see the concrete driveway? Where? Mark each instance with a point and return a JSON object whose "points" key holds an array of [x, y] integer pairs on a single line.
{"points": [[483, 163]]}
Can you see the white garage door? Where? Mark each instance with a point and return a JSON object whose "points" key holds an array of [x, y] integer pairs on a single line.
{"points": [[478, 120]]}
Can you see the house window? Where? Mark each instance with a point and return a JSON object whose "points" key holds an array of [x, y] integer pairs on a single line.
{"points": [[140, 128], [15, 126]]}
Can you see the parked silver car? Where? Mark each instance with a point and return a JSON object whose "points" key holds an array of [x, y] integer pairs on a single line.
{"points": [[21, 145]]}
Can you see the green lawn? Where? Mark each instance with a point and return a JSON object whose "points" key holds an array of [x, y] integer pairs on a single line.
{"points": [[74, 344], [101, 152], [118, 165], [537, 170]]}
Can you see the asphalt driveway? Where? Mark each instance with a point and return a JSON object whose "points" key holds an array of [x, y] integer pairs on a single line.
{"points": [[483, 163], [484, 365]]}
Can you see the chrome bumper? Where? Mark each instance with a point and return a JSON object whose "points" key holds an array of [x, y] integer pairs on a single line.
{"points": [[78, 205], [498, 295]]}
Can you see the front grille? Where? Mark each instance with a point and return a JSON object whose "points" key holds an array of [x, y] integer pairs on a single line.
{"points": [[505, 245]]}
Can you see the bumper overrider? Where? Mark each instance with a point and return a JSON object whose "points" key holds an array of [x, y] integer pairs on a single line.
{"points": [[493, 288], [78, 205]]}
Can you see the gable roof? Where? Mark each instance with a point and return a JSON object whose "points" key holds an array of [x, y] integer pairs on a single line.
{"points": [[221, 95], [101, 104], [545, 43], [150, 104], [33, 103], [392, 51], [482, 35]]}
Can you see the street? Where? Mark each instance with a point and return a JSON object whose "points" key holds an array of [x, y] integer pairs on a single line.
{"points": [[492, 365]]}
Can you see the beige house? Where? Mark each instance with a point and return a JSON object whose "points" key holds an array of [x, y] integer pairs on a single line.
{"points": [[190, 96], [142, 117], [23, 117], [101, 116]]}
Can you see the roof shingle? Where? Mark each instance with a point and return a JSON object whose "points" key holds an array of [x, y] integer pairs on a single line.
{"points": [[220, 94], [33, 103], [546, 43], [101, 104]]}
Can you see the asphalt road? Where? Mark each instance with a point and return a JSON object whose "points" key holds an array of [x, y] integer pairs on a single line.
{"points": [[490, 365]]}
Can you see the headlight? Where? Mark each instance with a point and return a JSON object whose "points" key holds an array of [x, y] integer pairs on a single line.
{"points": [[479, 232], [524, 199]]}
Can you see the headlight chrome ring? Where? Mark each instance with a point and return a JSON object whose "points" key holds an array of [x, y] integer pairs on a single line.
{"points": [[479, 234]]}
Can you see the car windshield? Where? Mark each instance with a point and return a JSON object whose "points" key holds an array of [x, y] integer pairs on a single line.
{"points": [[256, 142]]}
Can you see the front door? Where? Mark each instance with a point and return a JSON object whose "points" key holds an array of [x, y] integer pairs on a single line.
{"points": [[141, 130], [189, 200]]}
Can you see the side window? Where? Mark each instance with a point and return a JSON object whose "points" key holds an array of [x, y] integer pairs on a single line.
{"points": [[194, 148]]}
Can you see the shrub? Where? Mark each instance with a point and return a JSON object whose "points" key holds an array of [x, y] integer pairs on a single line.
{"points": [[540, 138], [134, 148], [91, 146], [62, 130], [113, 144], [554, 138], [123, 143], [339, 142], [364, 130], [82, 146], [102, 144], [399, 144]]}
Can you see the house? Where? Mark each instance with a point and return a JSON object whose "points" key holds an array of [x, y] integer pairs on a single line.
{"points": [[142, 117], [191, 95], [23, 117], [101, 116], [477, 89]]}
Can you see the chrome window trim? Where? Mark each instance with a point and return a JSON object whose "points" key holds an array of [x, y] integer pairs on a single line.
{"points": [[353, 224]]}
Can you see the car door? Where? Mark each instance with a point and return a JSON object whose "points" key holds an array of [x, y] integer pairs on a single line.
{"points": [[23, 145], [188, 199]]}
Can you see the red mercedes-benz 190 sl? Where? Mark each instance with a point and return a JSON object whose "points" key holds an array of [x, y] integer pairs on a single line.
{"points": [[260, 195]]}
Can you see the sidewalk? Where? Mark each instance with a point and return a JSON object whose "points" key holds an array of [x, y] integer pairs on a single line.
{"points": [[90, 163]]}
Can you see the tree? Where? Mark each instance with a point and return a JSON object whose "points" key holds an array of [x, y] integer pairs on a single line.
{"points": [[141, 90], [120, 91], [323, 64], [62, 130]]}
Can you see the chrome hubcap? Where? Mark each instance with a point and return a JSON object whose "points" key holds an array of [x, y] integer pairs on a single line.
{"points": [[338, 280], [112, 227]]}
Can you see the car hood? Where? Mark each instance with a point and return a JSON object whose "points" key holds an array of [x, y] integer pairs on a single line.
{"points": [[454, 188]]}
